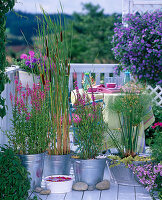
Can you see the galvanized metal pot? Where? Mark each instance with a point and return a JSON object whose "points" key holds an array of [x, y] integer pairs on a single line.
{"points": [[121, 174], [89, 171], [34, 164], [56, 165]]}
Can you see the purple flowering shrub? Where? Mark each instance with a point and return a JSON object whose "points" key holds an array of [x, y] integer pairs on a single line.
{"points": [[137, 46], [29, 62], [149, 175], [88, 124]]}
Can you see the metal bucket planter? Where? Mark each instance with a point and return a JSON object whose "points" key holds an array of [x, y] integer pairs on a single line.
{"points": [[34, 164], [122, 175], [89, 171], [57, 164]]}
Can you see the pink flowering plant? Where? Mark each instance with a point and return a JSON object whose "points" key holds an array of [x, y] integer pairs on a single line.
{"points": [[30, 122], [150, 176], [88, 125]]}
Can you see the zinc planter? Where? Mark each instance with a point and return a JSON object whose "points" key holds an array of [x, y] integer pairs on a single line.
{"points": [[121, 174], [34, 164], [57, 164], [89, 171], [59, 183]]}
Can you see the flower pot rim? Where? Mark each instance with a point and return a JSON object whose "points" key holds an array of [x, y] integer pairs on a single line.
{"points": [[30, 154]]}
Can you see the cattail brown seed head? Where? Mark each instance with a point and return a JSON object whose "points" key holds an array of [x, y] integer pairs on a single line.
{"points": [[68, 69], [47, 52], [43, 81], [50, 75], [61, 36]]}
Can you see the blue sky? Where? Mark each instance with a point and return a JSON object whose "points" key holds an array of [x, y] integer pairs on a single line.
{"points": [[69, 6]]}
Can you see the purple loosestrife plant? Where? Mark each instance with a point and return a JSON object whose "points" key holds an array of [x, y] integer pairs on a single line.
{"points": [[30, 122], [137, 46], [88, 124]]}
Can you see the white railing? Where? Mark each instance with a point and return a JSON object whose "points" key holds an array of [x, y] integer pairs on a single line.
{"points": [[5, 123], [141, 6], [104, 70]]}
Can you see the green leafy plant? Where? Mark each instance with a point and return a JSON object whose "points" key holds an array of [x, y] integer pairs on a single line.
{"points": [[30, 123], [116, 160], [89, 125], [130, 107], [5, 6], [14, 179], [156, 147], [55, 67], [150, 133]]}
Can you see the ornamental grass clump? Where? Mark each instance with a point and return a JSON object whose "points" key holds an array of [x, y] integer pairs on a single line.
{"points": [[54, 47], [88, 124], [130, 107], [137, 46], [30, 122]]}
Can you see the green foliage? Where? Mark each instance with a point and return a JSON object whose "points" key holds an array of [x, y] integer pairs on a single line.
{"points": [[150, 132], [156, 147], [116, 160], [5, 6], [14, 181], [93, 33], [130, 107], [89, 126]]}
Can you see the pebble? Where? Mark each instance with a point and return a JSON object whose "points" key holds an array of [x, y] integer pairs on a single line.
{"points": [[45, 192], [80, 186], [38, 189], [103, 185], [91, 187]]}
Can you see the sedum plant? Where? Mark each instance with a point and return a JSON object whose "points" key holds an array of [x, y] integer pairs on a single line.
{"points": [[54, 66]]}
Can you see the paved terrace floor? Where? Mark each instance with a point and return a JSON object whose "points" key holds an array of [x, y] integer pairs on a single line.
{"points": [[116, 192]]}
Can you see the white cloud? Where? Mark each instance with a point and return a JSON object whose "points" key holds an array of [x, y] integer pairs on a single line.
{"points": [[69, 6]]}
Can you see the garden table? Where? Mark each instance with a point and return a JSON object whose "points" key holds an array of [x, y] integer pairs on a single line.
{"points": [[112, 118]]}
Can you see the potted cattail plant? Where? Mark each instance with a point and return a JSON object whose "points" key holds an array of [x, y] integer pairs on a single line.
{"points": [[55, 67]]}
